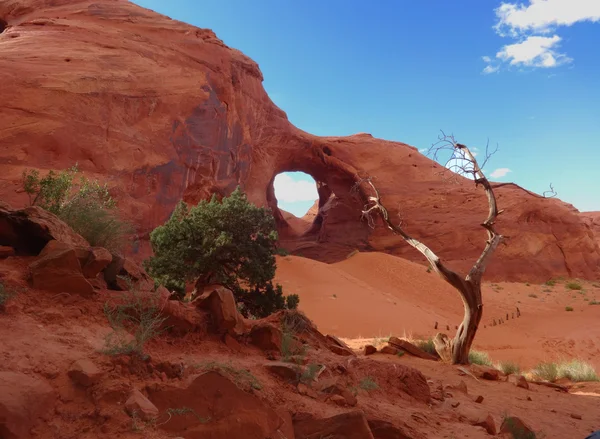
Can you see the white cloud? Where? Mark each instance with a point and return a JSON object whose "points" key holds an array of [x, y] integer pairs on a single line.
{"points": [[534, 51], [490, 69], [291, 191], [423, 150], [531, 23], [541, 16], [500, 172]]}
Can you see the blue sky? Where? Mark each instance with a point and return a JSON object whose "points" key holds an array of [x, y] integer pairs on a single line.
{"points": [[525, 75]]}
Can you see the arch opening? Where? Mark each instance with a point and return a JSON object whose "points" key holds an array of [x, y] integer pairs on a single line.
{"points": [[331, 228], [296, 192]]}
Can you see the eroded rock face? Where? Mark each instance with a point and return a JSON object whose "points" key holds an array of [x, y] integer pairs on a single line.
{"points": [[58, 269], [102, 93], [28, 230], [23, 400], [216, 408]]}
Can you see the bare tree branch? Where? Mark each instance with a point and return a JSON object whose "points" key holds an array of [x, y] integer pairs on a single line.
{"points": [[469, 287], [550, 193]]}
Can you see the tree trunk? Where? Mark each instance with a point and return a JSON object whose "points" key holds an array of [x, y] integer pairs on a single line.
{"points": [[461, 346]]}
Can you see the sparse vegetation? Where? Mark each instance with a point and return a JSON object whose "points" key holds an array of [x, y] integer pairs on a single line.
{"points": [[309, 374], [546, 371], [293, 322], [183, 411], [533, 296], [508, 367], [135, 318], [352, 253], [577, 371], [5, 295], [479, 357], [594, 302], [574, 370], [368, 384], [550, 282], [243, 378], [85, 205], [426, 345], [568, 308], [282, 252], [573, 286], [230, 242]]}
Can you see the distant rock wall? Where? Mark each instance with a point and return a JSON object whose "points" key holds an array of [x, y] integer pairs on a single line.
{"points": [[162, 111]]}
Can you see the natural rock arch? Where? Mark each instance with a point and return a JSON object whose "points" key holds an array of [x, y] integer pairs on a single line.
{"points": [[337, 202]]}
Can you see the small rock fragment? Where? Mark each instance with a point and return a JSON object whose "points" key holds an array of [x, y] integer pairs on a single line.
{"points": [[85, 373], [370, 349], [137, 405]]}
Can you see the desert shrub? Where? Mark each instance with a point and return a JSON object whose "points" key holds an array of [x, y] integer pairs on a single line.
{"points": [[594, 302], [310, 373], [368, 384], [242, 378], [479, 357], [533, 295], [136, 317], [282, 251], [293, 323], [577, 370], [573, 286], [230, 242], [85, 205], [426, 345], [551, 282], [508, 367], [568, 308], [5, 295], [546, 371]]}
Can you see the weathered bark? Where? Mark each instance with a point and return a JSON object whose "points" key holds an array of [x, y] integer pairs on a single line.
{"points": [[469, 287]]}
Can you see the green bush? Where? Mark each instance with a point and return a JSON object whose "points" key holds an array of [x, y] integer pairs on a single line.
{"points": [[283, 252], [86, 206], [568, 308], [573, 286], [229, 242]]}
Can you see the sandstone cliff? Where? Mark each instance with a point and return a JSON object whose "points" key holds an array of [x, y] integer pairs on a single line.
{"points": [[162, 110]]}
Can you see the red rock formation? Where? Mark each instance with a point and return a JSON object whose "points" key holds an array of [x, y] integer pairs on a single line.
{"points": [[593, 220], [162, 110]]}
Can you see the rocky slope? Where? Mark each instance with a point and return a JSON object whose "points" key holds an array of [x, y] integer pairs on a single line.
{"points": [[206, 372], [162, 111]]}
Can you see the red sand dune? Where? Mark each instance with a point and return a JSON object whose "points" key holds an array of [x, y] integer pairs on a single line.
{"points": [[376, 295]]}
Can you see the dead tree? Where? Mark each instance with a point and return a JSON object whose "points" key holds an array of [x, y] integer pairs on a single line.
{"points": [[469, 286]]}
